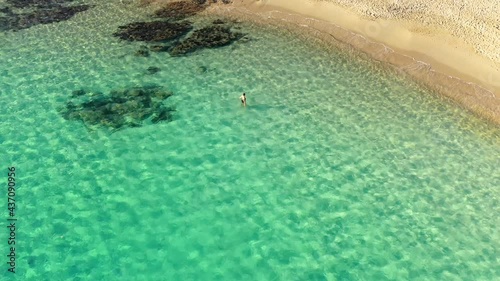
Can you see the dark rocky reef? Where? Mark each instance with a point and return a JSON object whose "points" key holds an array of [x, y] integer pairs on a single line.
{"points": [[155, 31], [212, 1], [36, 3], [159, 48], [33, 12], [207, 37], [142, 52], [218, 21], [179, 10], [153, 70], [119, 109], [172, 34]]}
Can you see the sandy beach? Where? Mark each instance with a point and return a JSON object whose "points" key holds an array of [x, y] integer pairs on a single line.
{"points": [[451, 46]]}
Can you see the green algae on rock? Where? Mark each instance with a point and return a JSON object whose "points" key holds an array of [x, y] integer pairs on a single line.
{"points": [[120, 109]]}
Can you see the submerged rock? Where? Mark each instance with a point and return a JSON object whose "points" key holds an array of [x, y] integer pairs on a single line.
{"points": [[153, 70], [171, 30], [7, 11], [202, 69], [36, 3], [23, 20], [142, 52], [159, 48], [164, 114], [179, 10], [77, 93], [207, 37], [156, 31], [223, 1], [120, 108], [218, 21]]}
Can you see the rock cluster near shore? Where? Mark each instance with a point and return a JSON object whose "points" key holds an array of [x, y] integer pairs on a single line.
{"points": [[180, 10], [22, 14], [171, 30], [120, 109], [206, 37], [155, 31]]}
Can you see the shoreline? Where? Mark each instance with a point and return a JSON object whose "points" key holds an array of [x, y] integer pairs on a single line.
{"points": [[454, 71], [409, 37]]}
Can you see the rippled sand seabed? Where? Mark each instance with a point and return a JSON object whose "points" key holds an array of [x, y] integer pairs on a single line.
{"points": [[338, 169]]}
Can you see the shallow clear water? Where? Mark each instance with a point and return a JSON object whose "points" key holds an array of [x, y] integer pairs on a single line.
{"points": [[337, 169]]}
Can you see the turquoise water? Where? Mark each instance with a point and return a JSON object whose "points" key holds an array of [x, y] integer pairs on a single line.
{"points": [[337, 169]]}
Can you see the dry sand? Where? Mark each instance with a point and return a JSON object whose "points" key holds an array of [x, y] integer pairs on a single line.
{"points": [[452, 46], [476, 22]]}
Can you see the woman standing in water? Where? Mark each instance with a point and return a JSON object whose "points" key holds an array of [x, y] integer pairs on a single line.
{"points": [[243, 99]]}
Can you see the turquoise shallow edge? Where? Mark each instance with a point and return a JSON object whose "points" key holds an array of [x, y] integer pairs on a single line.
{"points": [[337, 170]]}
